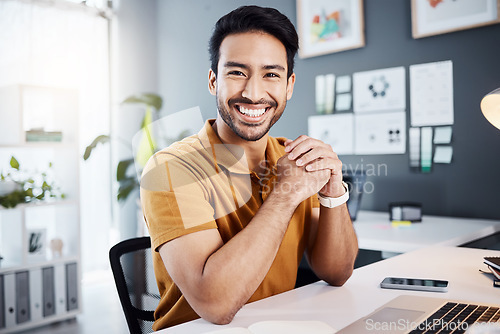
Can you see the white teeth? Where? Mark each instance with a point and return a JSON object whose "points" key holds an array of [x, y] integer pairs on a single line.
{"points": [[252, 112]]}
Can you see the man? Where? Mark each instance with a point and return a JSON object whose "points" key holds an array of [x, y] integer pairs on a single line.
{"points": [[232, 210]]}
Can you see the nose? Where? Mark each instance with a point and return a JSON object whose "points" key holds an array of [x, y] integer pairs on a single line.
{"points": [[254, 89]]}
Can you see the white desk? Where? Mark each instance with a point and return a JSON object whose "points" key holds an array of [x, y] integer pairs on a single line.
{"points": [[361, 294], [375, 232]]}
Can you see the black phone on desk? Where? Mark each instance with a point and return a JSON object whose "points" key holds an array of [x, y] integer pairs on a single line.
{"points": [[419, 284]]}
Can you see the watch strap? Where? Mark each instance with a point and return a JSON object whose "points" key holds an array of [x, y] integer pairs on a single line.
{"points": [[332, 202]]}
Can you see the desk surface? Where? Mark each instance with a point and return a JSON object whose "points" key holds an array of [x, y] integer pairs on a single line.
{"points": [[375, 232], [340, 306]]}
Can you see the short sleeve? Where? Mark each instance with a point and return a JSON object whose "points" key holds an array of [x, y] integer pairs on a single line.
{"points": [[174, 200]]}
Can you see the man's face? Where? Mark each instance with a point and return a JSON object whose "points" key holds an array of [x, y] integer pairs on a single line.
{"points": [[251, 85]]}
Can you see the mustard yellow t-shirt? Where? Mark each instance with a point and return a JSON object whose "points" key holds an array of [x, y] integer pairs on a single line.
{"points": [[200, 183]]}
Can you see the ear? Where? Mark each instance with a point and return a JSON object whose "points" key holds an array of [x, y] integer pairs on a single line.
{"points": [[289, 86], [212, 82]]}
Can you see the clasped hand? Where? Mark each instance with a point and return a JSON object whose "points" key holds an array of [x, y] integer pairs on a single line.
{"points": [[310, 166]]}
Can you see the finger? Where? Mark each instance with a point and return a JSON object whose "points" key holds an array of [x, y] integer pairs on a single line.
{"points": [[303, 147], [287, 142], [334, 165], [313, 154], [292, 144], [312, 150]]}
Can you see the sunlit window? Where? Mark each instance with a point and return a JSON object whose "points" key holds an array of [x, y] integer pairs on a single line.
{"points": [[60, 44]]}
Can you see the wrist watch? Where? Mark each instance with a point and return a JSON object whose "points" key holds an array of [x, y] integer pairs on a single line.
{"points": [[332, 202]]}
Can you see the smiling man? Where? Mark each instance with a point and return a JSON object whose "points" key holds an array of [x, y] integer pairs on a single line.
{"points": [[232, 210]]}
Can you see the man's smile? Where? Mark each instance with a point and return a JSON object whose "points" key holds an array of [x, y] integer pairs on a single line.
{"points": [[252, 112]]}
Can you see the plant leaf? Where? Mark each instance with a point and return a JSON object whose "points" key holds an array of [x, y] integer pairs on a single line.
{"points": [[99, 139], [149, 99], [126, 187], [121, 169], [14, 163]]}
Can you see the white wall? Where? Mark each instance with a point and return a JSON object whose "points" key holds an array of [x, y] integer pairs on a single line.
{"points": [[134, 63]]}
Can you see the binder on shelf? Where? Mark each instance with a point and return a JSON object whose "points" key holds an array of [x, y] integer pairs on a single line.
{"points": [[60, 288], [72, 286], [48, 291], [22, 297], [9, 288], [2, 304], [36, 301]]}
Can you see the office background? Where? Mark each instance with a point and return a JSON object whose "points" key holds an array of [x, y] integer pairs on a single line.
{"points": [[467, 187], [161, 46]]}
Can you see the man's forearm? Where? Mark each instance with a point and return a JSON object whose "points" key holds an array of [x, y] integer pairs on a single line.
{"points": [[333, 252], [233, 273]]}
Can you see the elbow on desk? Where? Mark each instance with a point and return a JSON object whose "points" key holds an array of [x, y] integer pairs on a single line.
{"points": [[337, 277], [216, 313]]}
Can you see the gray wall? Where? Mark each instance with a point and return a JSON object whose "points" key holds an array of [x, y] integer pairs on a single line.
{"points": [[468, 187]]}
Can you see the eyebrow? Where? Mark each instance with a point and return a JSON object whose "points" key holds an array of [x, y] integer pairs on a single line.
{"points": [[244, 66]]}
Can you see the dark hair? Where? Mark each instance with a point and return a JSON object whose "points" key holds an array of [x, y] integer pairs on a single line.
{"points": [[255, 18]]}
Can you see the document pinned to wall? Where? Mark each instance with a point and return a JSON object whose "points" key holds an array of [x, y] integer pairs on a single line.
{"points": [[431, 94], [330, 93], [414, 147], [443, 154], [336, 130], [381, 133], [325, 93], [343, 102], [442, 135], [426, 150], [380, 90], [320, 94], [343, 84]]}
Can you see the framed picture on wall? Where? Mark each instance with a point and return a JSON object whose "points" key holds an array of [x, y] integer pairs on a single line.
{"points": [[434, 17], [327, 26]]}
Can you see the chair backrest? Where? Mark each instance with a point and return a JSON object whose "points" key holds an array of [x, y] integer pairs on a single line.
{"points": [[131, 263]]}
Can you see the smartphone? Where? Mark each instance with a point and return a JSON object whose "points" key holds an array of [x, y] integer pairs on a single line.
{"points": [[418, 284]]}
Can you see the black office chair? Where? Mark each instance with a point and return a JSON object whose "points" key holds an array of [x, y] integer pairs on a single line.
{"points": [[132, 268]]}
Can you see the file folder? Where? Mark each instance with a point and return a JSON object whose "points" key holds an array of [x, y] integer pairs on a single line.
{"points": [[48, 291], [22, 297], [60, 288], [36, 294], [72, 286], [2, 304], [9, 286]]}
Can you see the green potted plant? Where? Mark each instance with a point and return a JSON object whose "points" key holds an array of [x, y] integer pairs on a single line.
{"points": [[22, 186], [147, 146]]}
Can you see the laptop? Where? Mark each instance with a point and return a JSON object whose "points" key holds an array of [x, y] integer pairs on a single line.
{"points": [[417, 314]]}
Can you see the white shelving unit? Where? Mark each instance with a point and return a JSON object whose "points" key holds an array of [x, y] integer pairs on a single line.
{"points": [[41, 289]]}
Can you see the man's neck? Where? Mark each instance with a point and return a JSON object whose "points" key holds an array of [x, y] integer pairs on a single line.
{"points": [[255, 151]]}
